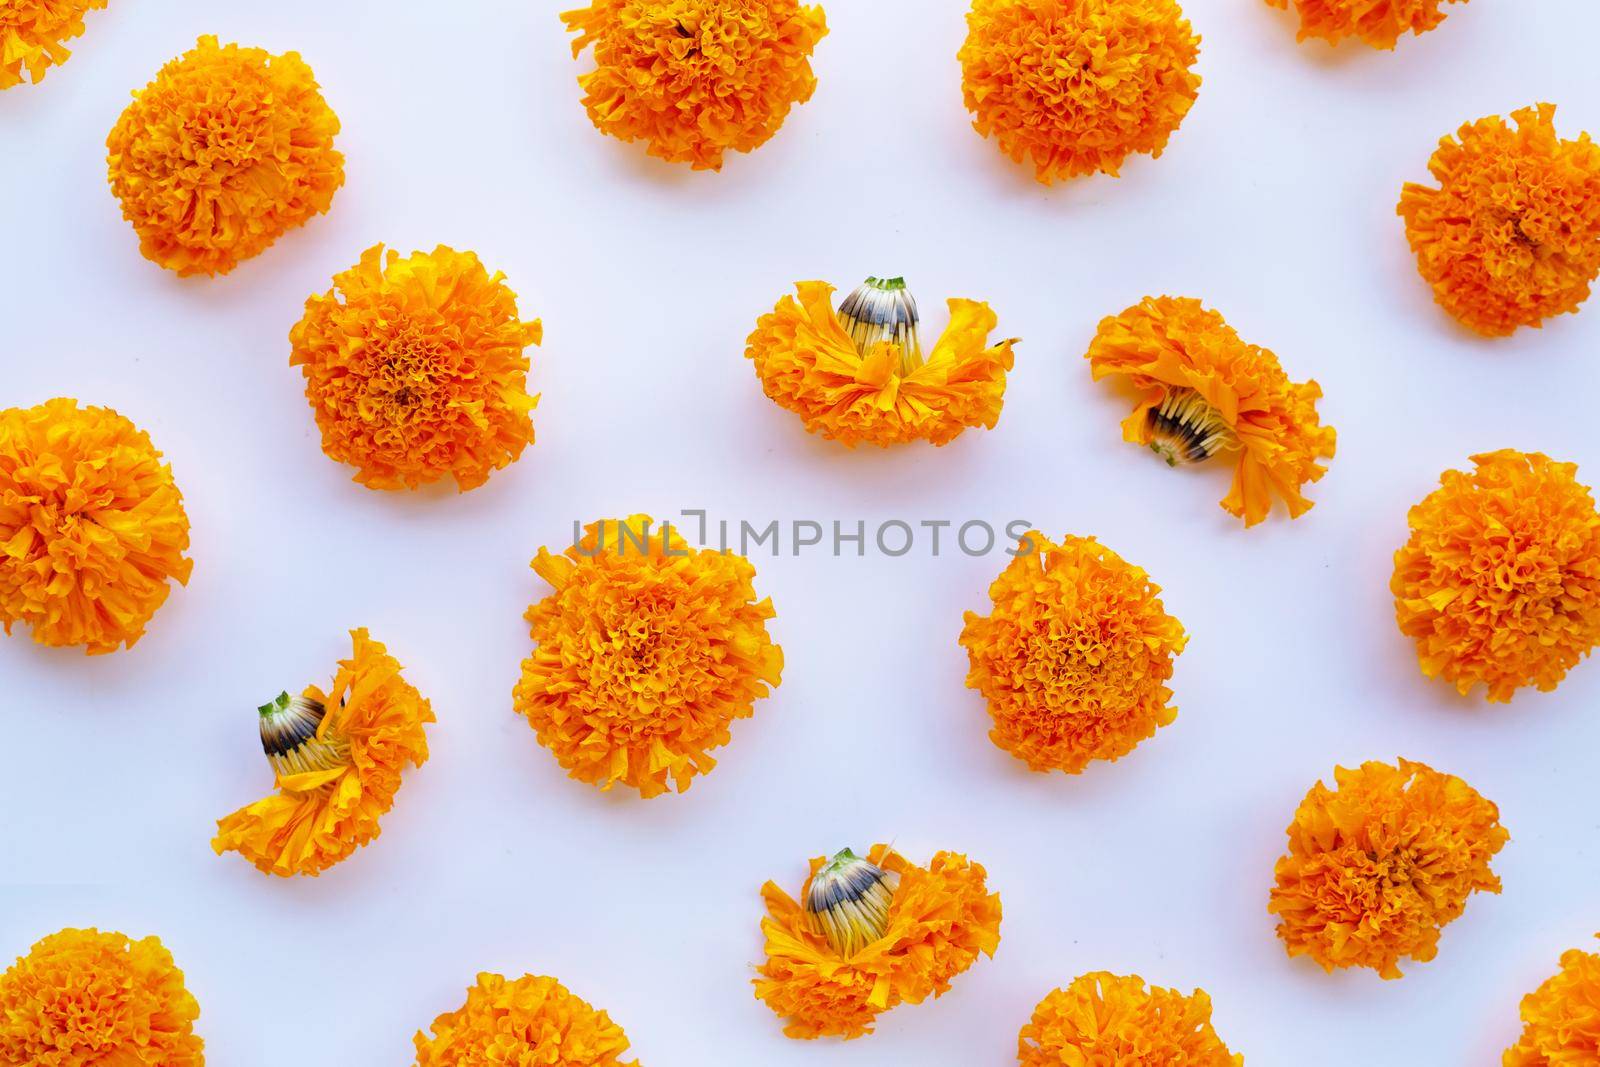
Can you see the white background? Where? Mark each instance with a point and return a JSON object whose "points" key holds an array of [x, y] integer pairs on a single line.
{"points": [[1274, 203]]}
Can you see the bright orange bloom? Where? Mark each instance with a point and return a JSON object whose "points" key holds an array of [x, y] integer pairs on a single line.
{"points": [[1077, 86], [1379, 23], [940, 919], [1511, 236], [414, 369], [1500, 580], [337, 758], [1561, 1019], [1205, 391], [81, 998], [1379, 865], [695, 78], [1075, 657], [526, 1023], [1102, 1019], [224, 152], [92, 526], [33, 35], [648, 650]]}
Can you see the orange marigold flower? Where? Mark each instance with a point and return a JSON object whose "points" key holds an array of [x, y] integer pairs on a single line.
{"points": [[872, 933], [1075, 657], [337, 760], [414, 369], [1379, 23], [33, 35], [1561, 1019], [1500, 580], [81, 998], [92, 526], [224, 152], [1511, 236], [859, 374], [1104, 1018], [1205, 391], [529, 1021], [1377, 866], [695, 78], [1077, 86]]}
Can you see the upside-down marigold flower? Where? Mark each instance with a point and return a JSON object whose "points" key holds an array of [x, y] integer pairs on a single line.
{"points": [[337, 758], [92, 526], [1380, 23], [859, 374], [1204, 391], [224, 152], [1378, 865], [531, 1021], [1561, 1019], [1077, 86], [1499, 582], [1511, 236], [872, 933], [82, 998], [415, 370], [695, 78], [1106, 1019], [1075, 658], [33, 36]]}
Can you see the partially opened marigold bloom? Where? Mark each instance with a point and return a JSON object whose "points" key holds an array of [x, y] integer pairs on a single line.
{"points": [[1074, 659], [1499, 582], [1378, 865], [82, 998], [694, 79], [92, 526], [873, 933], [1105, 1020], [33, 36], [530, 1022], [224, 152], [859, 375], [1561, 1019], [1203, 391], [337, 758], [415, 370], [1511, 236], [1380, 23]]}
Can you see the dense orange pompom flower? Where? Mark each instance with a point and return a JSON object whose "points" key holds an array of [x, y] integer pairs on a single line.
{"points": [[1379, 23], [696, 78], [81, 998], [1511, 236], [1075, 657], [1077, 86], [859, 374], [1205, 391], [337, 760], [1499, 582], [526, 1023], [33, 35], [1377, 866], [224, 152], [914, 929], [1108, 1019], [1561, 1019], [92, 526], [648, 650], [415, 370]]}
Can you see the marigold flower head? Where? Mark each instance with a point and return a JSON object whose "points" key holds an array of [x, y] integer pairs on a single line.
{"points": [[337, 758], [1106, 1019], [1075, 657], [695, 78], [1380, 23], [1378, 865], [529, 1022], [224, 152], [415, 370], [898, 933], [33, 36], [1511, 236], [1204, 391], [81, 998], [859, 374], [1561, 1019], [92, 526], [1499, 582]]}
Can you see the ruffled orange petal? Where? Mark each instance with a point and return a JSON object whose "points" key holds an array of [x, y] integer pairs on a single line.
{"points": [[33, 36], [1379, 23]]}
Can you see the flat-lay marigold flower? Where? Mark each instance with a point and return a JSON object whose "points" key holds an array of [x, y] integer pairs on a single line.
{"points": [[859, 375], [696, 78], [82, 998], [337, 758], [1104, 1019], [224, 152], [1378, 865], [1380, 23], [1511, 236], [1204, 391], [1075, 656], [1561, 1019], [415, 370], [1499, 582], [530, 1022], [33, 36], [872, 933], [92, 526]]}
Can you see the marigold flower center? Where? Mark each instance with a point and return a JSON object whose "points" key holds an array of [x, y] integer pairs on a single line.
{"points": [[882, 310], [848, 902], [289, 729], [1185, 429]]}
